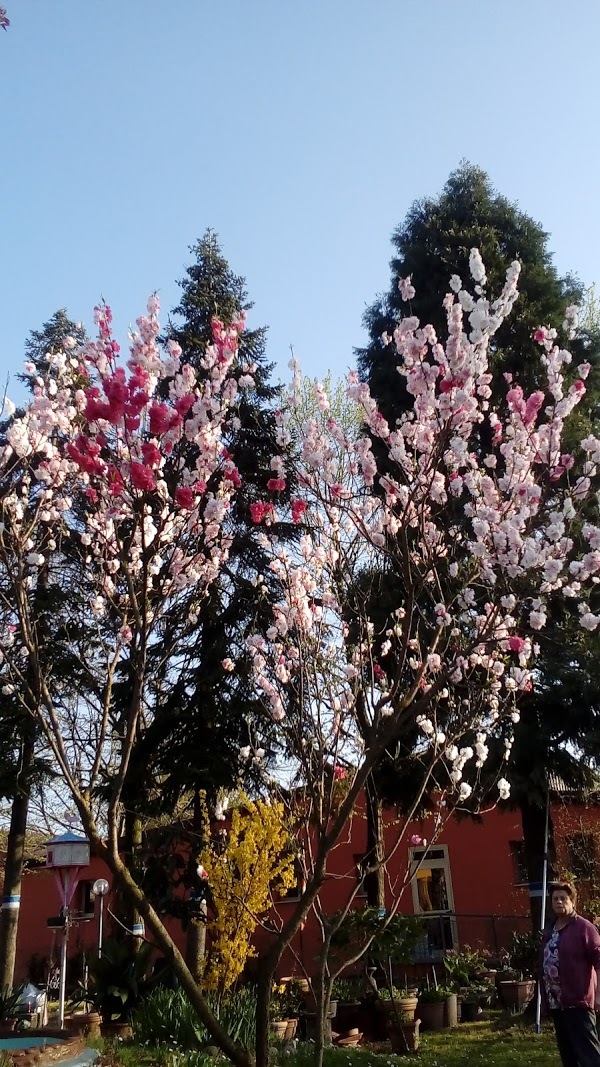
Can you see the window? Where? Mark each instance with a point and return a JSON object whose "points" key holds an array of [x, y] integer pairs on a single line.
{"points": [[82, 901], [431, 882], [432, 898], [519, 859], [582, 855]]}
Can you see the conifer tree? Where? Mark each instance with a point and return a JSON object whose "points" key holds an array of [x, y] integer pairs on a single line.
{"points": [[432, 244]]}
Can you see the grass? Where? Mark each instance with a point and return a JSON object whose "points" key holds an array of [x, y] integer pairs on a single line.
{"points": [[494, 1043], [497, 1042]]}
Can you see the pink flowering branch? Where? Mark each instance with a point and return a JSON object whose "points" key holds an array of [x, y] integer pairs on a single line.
{"points": [[474, 538], [115, 485]]}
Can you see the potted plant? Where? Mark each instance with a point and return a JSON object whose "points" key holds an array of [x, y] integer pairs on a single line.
{"points": [[432, 1007], [285, 1008], [404, 1033], [470, 1004], [346, 994], [517, 992], [394, 1000], [9, 1008], [117, 980]]}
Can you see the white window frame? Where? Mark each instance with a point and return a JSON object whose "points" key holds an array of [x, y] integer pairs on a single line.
{"points": [[418, 859]]}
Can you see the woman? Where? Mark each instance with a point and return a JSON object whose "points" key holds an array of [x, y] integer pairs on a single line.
{"points": [[570, 962]]}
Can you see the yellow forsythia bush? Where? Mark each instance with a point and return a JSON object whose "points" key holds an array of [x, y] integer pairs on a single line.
{"points": [[256, 865]]}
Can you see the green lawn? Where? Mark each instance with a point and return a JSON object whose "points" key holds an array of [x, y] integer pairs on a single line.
{"points": [[495, 1043]]}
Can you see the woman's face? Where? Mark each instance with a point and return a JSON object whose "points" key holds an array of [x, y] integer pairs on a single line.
{"points": [[562, 905]]}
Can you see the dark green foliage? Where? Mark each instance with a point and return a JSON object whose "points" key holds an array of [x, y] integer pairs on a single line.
{"points": [[201, 714], [167, 1017], [396, 942], [119, 978], [9, 1003], [50, 338], [560, 720], [434, 243], [212, 290]]}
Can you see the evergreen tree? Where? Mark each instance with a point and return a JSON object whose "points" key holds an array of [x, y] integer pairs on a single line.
{"points": [[432, 244], [191, 744], [560, 718], [49, 339]]}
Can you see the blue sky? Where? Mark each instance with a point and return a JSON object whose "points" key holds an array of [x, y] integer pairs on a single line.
{"points": [[301, 130]]}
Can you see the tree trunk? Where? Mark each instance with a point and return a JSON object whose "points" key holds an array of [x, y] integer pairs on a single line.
{"points": [[375, 880], [15, 856], [195, 941], [533, 821], [132, 845]]}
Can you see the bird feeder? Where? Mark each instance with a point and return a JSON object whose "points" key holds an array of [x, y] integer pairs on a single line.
{"points": [[67, 850], [66, 855]]}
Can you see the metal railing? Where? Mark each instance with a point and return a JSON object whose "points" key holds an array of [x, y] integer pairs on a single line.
{"points": [[448, 930]]}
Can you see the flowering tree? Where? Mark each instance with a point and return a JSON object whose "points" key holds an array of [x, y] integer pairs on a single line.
{"points": [[122, 498], [476, 538], [131, 493]]}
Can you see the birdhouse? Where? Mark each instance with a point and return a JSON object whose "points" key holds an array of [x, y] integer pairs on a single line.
{"points": [[68, 850]]}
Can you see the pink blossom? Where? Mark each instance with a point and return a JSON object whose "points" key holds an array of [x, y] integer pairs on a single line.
{"points": [[276, 485], [407, 289], [416, 840], [584, 369], [143, 477], [114, 480], [532, 407], [185, 497], [339, 773], [151, 454], [184, 403], [260, 511], [298, 509], [160, 419], [516, 644]]}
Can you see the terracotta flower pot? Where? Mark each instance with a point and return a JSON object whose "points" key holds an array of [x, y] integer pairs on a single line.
{"points": [[350, 1039], [516, 995], [279, 1028], [116, 1030], [404, 1037], [402, 1005], [93, 1023], [290, 1029]]}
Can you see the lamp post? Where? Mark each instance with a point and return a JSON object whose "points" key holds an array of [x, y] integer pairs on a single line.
{"points": [[100, 888]]}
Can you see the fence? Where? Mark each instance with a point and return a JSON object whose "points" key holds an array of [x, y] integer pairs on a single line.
{"points": [[491, 933]]}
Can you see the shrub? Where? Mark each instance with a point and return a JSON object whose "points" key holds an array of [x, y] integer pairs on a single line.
{"points": [[166, 1017]]}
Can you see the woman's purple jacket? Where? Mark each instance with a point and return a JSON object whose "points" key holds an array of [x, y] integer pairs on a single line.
{"points": [[578, 960]]}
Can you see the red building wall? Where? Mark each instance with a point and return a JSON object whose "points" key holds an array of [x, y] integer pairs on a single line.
{"points": [[482, 874]]}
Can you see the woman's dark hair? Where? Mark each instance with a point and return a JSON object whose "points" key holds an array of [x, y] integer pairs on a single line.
{"points": [[565, 887]]}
